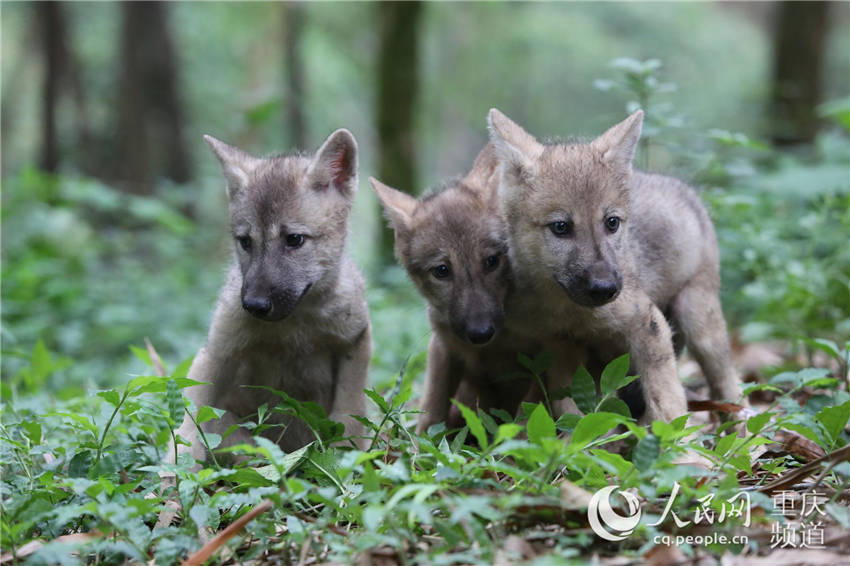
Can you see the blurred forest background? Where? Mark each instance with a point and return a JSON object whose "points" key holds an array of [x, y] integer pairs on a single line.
{"points": [[114, 213]]}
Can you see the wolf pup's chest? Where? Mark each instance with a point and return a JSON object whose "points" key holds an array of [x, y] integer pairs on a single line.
{"points": [[303, 375]]}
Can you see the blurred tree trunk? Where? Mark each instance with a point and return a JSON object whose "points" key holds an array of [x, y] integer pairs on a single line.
{"points": [[398, 87], [293, 23], [61, 72], [53, 28], [150, 118], [799, 42]]}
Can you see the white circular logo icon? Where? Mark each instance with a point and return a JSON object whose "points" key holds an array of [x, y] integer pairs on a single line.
{"points": [[602, 515]]}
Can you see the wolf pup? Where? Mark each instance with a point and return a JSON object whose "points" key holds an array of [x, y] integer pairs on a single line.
{"points": [[453, 244], [599, 251], [292, 314]]}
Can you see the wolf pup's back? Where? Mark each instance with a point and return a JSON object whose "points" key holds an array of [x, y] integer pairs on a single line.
{"points": [[292, 314]]}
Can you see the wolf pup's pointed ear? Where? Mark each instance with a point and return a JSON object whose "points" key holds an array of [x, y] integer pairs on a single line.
{"points": [[398, 206], [481, 176], [235, 164], [619, 144], [516, 149], [335, 164]]}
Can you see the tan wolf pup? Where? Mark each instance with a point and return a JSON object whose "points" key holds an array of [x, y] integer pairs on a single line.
{"points": [[600, 251], [292, 314], [453, 245]]}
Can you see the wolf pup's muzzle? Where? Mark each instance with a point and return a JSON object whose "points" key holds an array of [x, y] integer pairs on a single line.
{"points": [[274, 306], [592, 290]]}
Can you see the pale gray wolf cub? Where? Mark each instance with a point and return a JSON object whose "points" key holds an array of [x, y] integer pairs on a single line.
{"points": [[292, 314], [601, 252], [453, 244]]}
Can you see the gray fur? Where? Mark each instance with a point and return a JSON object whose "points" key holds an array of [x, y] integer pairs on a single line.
{"points": [[460, 227], [662, 257], [314, 340]]}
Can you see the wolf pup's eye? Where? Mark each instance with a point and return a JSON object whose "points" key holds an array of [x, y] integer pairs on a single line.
{"points": [[244, 242], [612, 223], [561, 228], [294, 240], [441, 271], [491, 262]]}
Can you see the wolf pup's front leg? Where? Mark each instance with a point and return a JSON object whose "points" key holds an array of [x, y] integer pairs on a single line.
{"points": [[351, 381], [441, 383], [650, 346], [292, 316]]}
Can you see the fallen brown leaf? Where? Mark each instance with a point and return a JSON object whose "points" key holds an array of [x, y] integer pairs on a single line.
{"points": [[798, 445], [573, 496], [663, 555]]}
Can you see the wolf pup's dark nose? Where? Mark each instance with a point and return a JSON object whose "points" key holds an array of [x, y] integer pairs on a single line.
{"points": [[258, 307], [602, 291], [480, 335]]}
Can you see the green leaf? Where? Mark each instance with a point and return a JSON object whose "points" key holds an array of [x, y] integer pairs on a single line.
{"points": [[157, 384], [756, 423], [174, 401], [40, 360], [538, 364], [458, 441], [112, 397], [80, 464], [78, 421], [206, 413], [182, 369], [310, 412], [584, 391], [592, 426], [488, 422], [833, 420], [613, 463], [507, 431], [540, 425], [760, 387], [614, 405], [805, 431], [295, 529], [263, 112], [802, 378], [567, 422], [614, 375], [646, 452], [724, 444], [378, 400], [32, 429], [474, 423], [413, 367], [142, 354], [201, 515]]}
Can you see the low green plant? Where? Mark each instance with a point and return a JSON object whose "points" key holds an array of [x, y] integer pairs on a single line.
{"points": [[91, 465]]}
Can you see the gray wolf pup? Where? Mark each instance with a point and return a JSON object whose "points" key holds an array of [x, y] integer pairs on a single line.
{"points": [[453, 244], [601, 252], [292, 314]]}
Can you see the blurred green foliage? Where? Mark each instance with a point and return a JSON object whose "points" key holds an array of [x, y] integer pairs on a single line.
{"points": [[91, 270]]}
